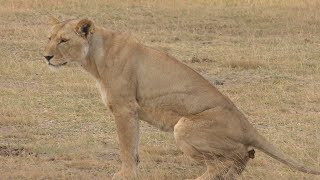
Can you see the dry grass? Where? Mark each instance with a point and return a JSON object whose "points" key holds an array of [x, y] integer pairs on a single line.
{"points": [[265, 51]]}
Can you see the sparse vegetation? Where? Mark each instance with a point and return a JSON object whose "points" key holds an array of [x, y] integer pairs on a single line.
{"points": [[54, 125]]}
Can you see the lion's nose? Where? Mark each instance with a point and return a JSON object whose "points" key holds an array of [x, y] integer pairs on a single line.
{"points": [[48, 57]]}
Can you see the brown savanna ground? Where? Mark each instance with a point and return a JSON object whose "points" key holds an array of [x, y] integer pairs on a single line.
{"points": [[267, 53]]}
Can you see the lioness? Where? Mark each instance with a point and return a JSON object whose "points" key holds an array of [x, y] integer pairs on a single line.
{"points": [[141, 83]]}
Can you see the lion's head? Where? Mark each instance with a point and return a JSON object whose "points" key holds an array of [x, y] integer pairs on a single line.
{"points": [[68, 41]]}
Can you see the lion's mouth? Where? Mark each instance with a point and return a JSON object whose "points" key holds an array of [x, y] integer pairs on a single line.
{"points": [[58, 65]]}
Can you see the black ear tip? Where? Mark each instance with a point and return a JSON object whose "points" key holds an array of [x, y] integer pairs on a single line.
{"points": [[85, 28]]}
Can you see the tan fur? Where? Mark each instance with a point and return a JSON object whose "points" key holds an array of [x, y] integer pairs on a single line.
{"points": [[141, 83]]}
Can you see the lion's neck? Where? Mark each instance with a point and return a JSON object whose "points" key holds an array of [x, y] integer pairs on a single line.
{"points": [[91, 68], [96, 55]]}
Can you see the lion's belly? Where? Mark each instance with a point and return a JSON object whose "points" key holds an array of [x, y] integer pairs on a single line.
{"points": [[164, 120], [164, 111]]}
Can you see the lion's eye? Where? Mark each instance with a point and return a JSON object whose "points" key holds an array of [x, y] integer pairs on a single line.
{"points": [[64, 40], [49, 38]]}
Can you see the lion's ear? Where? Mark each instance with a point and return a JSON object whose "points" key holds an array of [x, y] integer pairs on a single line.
{"points": [[84, 27], [53, 20]]}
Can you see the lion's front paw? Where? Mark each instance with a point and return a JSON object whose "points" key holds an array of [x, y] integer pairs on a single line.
{"points": [[124, 175]]}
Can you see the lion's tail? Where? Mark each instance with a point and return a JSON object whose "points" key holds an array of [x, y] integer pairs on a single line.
{"points": [[262, 144]]}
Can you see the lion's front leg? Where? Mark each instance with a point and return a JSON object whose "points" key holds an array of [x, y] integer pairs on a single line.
{"points": [[127, 123]]}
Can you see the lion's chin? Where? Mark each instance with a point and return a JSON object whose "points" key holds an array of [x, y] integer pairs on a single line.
{"points": [[58, 65]]}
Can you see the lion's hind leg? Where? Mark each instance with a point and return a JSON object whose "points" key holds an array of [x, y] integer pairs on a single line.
{"points": [[224, 159], [216, 168], [224, 169], [237, 167]]}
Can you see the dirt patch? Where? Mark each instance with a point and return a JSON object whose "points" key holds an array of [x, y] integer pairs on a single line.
{"points": [[195, 59], [10, 151], [4, 130]]}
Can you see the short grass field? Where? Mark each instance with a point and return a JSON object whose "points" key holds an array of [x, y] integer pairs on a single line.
{"points": [[266, 53]]}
